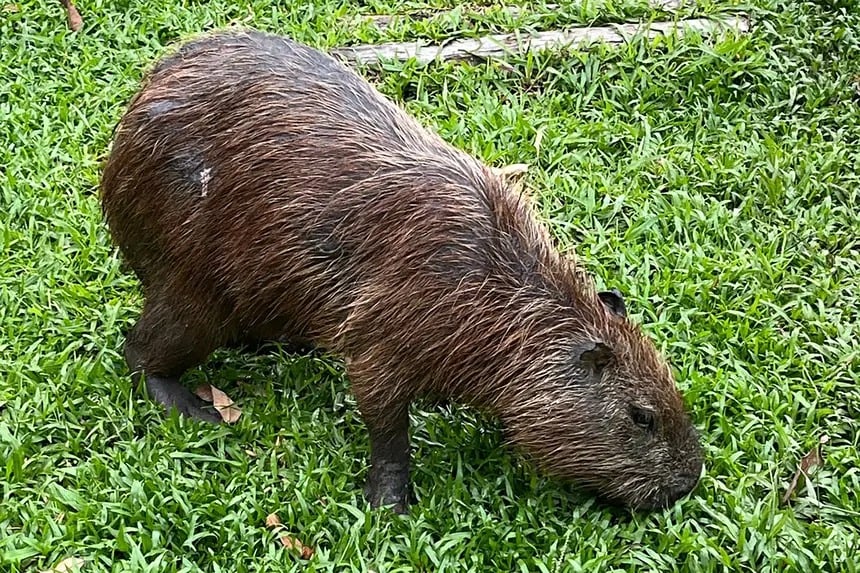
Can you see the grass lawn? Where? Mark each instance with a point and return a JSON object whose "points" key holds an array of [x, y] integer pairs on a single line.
{"points": [[714, 182]]}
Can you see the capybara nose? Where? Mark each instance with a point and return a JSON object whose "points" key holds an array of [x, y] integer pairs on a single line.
{"points": [[685, 484]]}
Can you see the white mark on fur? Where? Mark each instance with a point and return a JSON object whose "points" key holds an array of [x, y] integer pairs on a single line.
{"points": [[205, 177]]}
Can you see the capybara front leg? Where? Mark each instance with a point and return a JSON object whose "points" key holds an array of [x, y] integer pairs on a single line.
{"points": [[161, 347], [388, 480]]}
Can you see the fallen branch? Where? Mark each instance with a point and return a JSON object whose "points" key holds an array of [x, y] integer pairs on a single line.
{"points": [[500, 45], [384, 21]]}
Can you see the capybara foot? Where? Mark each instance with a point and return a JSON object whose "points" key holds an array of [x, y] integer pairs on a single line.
{"points": [[389, 486], [171, 394]]}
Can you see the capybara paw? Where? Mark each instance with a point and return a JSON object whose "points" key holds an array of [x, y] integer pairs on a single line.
{"points": [[171, 394], [204, 412], [393, 491]]}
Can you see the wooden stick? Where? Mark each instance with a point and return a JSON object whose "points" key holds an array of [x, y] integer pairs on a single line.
{"points": [[500, 45]]}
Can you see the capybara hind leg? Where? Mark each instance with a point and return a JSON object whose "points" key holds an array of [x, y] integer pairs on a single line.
{"points": [[162, 346], [388, 426]]}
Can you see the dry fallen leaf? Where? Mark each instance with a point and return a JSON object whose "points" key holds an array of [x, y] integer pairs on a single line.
{"points": [[11, 8], [68, 565], [75, 20], [204, 392], [288, 541], [811, 460], [225, 407], [294, 544]]}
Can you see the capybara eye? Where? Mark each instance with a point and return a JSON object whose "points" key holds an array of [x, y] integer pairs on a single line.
{"points": [[643, 418]]}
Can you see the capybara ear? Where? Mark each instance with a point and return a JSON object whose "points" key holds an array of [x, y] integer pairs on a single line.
{"points": [[595, 356], [614, 301]]}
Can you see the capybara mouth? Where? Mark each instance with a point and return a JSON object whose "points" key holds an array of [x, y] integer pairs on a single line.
{"points": [[668, 496]]}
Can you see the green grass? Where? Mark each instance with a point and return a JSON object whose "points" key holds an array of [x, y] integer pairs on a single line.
{"points": [[716, 184]]}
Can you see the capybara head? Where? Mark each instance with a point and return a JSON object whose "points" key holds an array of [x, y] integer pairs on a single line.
{"points": [[605, 412]]}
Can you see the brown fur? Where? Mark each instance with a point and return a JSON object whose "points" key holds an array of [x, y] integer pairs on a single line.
{"points": [[259, 188]]}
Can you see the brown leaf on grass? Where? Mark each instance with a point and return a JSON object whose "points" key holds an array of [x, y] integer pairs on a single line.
{"points": [[229, 412], [204, 392], [294, 544], [11, 8], [288, 541], [811, 460], [225, 406], [75, 20], [67, 565]]}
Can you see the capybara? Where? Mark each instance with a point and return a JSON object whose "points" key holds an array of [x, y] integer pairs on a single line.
{"points": [[260, 189]]}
